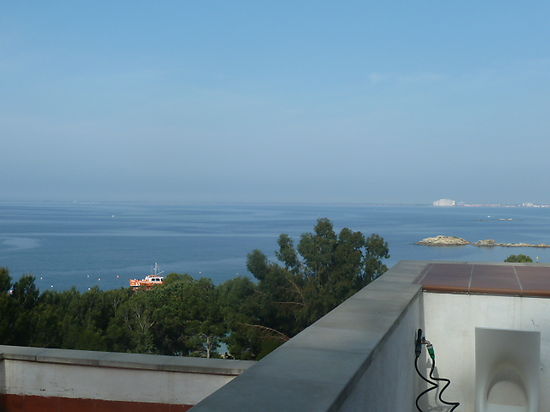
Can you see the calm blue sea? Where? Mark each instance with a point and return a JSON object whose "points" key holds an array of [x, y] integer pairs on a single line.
{"points": [[105, 244]]}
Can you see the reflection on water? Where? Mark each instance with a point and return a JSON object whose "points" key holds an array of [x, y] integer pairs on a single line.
{"points": [[17, 243]]}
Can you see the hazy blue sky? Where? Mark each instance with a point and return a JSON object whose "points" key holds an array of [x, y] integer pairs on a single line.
{"points": [[275, 100]]}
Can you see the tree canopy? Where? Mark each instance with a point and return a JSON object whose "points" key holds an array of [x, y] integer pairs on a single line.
{"points": [[323, 270], [521, 258], [194, 317]]}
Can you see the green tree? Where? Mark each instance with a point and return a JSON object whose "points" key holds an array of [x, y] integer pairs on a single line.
{"points": [[257, 264], [137, 315], [240, 304], [175, 277], [5, 280], [25, 292], [521, 258], [311, 279], [49, 315], [7, 309], [24, 299], [118, 335], [187, 318]]}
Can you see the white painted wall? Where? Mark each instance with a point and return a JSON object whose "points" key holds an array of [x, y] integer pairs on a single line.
{"points": [[451, 320], [113, 376], [134, 385]]}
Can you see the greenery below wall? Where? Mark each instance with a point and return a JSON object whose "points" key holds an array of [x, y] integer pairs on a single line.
{"points": [[190, 317]]}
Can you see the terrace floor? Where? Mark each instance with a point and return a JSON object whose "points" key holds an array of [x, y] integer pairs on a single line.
{"points": [[495, 279]]}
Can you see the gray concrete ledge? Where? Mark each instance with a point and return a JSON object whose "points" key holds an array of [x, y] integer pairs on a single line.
{"points": [[125, 360], [318, 368]]}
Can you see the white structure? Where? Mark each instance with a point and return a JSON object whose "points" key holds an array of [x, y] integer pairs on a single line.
{"points": [[507, 370], [444, 203], [458, 325]]}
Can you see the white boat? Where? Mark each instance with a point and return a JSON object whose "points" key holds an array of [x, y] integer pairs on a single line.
{"points": [[148, 281]]}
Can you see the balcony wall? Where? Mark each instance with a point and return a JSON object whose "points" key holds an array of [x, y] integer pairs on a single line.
{"points": [[38, 379], [451, 320]]}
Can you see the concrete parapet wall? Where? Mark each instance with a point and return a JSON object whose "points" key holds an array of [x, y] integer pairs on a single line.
{"points": [[154, 380], [390, 382], [349, 360]]}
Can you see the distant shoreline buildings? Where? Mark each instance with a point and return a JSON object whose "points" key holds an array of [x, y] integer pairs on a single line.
{"points": [[529, 204], [444, 203], [454, 203]]}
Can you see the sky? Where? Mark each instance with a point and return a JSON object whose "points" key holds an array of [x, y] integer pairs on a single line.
{"points": [[275, 101]]}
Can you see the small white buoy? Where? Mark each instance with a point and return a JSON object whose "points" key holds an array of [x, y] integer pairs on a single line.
{"points": [[41, 278], [51, 286], [98, 278]]}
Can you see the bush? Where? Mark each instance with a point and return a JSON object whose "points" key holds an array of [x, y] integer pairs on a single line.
{"points": [[519, 259]]}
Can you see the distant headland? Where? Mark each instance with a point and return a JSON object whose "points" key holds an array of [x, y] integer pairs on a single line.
{"points": [[442, 240]]}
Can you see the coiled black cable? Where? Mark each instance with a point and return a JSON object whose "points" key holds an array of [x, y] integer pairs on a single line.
{"points": [[434, 385], [440, 394]]}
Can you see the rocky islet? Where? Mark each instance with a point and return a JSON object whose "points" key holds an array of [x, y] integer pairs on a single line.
{"points": [[442, 240]]}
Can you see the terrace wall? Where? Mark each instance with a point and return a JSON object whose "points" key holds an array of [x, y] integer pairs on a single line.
{"points": [[451, 320], [359, 357], [38, 379]]}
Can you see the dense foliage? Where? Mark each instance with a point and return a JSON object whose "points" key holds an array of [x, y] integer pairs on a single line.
{"points": [[191, 317], [521, 258]]}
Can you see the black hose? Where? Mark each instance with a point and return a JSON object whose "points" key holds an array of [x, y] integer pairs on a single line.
{"points": [[440, 394], [434, 385]]}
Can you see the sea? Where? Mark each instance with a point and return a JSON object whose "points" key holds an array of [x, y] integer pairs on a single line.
{"points": [[104, 244]]}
